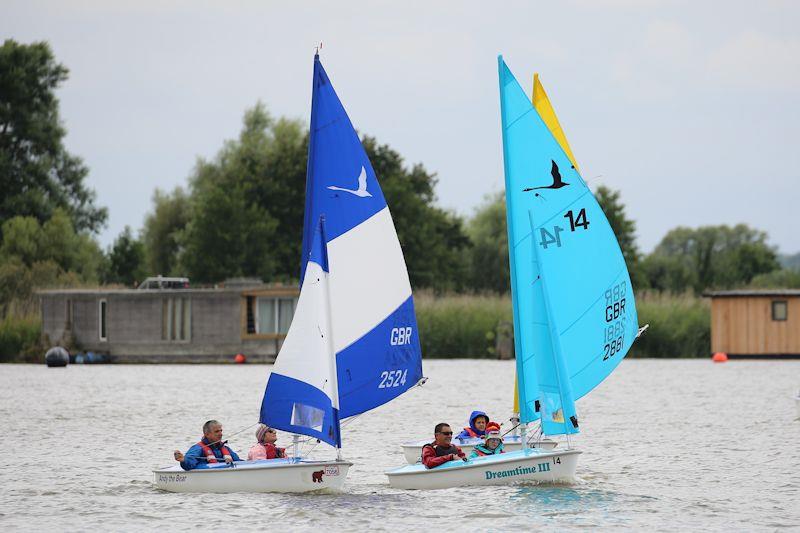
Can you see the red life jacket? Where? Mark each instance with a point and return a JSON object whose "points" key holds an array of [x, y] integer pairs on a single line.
{"points": [[210, 457], [471, 432]]}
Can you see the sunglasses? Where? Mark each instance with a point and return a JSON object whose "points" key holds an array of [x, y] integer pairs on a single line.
{"points": [[446, 432]]}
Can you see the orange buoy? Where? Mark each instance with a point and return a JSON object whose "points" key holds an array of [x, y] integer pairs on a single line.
{"points": [[240, 358], [719, 357]]}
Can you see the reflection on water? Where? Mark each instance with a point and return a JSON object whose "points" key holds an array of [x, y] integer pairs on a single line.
{"points": [[666, 445]]}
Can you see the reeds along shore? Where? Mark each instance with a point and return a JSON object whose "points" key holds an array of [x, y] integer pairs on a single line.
{"points": [[472, 326], [469, 325]]}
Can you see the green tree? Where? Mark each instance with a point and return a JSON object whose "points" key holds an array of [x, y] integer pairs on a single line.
{"points": [[433, 239], [246, 209], [34, 256], [488, 256], [126, 260], [37, 174], [709, 257], [163, 231], [625, 231]]}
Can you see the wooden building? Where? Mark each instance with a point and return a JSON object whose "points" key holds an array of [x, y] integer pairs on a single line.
{"points": [[171, 325], [756, 323]]}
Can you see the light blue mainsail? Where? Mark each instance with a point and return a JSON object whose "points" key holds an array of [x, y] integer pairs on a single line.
{"points": [[574, 311], [357, 340]]}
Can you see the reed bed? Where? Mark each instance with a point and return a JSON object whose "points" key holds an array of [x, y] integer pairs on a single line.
{"points": [[460, 325]]}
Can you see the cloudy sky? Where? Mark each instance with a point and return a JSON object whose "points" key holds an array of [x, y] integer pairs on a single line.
{"points": [[691, 109]]}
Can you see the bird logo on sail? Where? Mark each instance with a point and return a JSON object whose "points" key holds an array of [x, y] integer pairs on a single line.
{"points": [[557, 182], [362, 191]]}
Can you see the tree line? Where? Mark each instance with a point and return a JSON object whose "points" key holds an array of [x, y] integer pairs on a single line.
{"points": [[241, 213]]}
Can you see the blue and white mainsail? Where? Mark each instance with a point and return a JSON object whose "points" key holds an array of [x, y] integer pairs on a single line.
{"points": [[574, 311], [373, 336]]}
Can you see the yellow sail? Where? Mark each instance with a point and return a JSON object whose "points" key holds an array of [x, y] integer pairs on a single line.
{"points": [[542, 105]]}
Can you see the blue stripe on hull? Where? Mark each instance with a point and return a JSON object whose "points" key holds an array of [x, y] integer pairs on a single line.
{"points": [[291, 400], [382, 364]]}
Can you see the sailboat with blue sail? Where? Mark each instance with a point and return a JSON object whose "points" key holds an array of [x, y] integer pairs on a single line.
{"points": [[574, 310], [353, 343]]}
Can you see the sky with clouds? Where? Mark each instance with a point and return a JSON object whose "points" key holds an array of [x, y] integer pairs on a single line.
{"points": [[690, 109]]}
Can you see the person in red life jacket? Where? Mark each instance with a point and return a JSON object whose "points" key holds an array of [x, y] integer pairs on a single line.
{"points": [[493, 442], [441, 450], [477, 426], [211, 449], [265, 448]]}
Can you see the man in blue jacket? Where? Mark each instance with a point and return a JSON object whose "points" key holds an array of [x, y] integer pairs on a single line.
{"points": [[209, 450]]}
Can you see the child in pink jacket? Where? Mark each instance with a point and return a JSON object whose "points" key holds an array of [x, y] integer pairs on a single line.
{"points": [[265, 449]]}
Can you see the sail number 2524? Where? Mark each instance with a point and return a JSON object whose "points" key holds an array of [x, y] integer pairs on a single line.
{"points": [[393, 378]]}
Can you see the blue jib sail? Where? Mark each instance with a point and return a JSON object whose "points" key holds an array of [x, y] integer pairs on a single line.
{"points": [[573, 304], [374, 333]]}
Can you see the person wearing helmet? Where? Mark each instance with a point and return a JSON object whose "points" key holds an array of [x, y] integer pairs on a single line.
{"points": [[492, 443]]}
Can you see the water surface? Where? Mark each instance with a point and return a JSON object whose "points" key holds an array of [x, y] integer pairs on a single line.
{"points": [[668, 445]]}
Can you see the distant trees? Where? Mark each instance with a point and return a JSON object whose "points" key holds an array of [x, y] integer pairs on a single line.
{"points": [[709, 257], [487, 259], [35, 255], [126, 263], [162, 232], [243, 215], [37, 174]]}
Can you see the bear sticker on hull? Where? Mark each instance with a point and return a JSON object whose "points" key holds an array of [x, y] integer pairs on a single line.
{"points": [[316, 477]]}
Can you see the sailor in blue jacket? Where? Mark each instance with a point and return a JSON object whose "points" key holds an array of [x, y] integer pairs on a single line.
{"points": [[209, 450], [477, 426]]}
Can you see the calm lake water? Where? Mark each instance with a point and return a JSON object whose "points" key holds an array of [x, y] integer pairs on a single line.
{"points": [[669, 444]]}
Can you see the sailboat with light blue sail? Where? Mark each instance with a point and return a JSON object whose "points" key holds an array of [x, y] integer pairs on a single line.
{"points": [[353, 343], [574, 310]]}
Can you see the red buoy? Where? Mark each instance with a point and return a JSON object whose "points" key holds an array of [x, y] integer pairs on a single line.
{"points": [[240, 358], [719, 357]]}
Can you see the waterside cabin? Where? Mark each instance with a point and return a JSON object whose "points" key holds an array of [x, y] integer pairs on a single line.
{"points": [[171, 325], [756, 323]]}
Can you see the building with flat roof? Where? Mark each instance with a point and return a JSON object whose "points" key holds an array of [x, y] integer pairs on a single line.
{"points": [[756, 323], [171, 325]]}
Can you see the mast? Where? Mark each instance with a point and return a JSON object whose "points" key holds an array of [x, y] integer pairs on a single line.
{"points": [[333, 377]]}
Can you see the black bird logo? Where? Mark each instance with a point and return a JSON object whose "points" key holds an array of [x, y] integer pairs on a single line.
{"points": [[557, 183]]}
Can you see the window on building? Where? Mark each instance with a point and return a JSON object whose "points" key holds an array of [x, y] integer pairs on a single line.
{"points": [[779, 310], [103, 306], [269, 315], [176, 319]]}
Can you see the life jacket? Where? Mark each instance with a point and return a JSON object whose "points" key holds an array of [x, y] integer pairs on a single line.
{"points": [[210, 457], [471, 432], [278, 451], [482, 451], [441, 450]]}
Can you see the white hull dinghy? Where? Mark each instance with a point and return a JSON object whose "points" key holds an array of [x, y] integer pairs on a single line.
{"points": [[511, 443], [525, 466], [573, 307], [273, 475], [353, 343]]}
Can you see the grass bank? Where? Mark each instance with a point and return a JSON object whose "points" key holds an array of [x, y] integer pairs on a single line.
{"points": [[20, 339], [467, 325]]}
